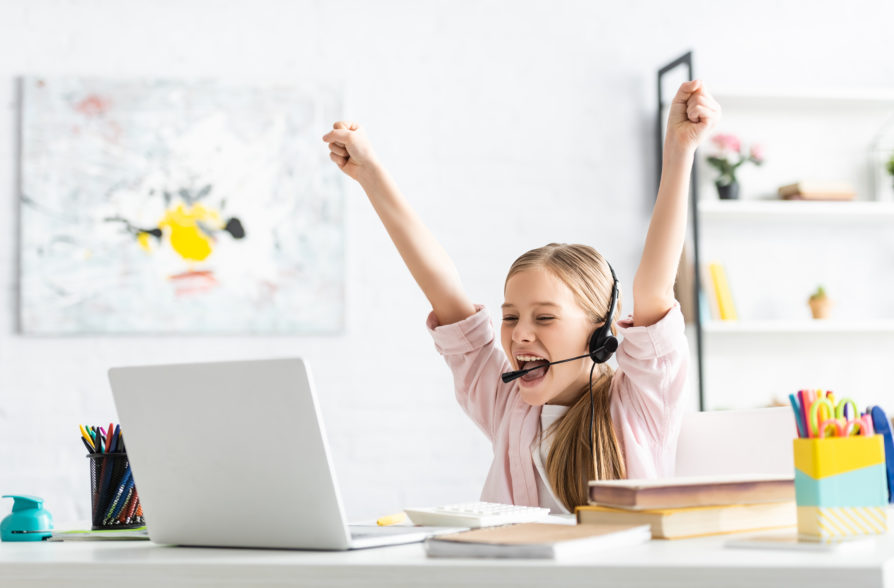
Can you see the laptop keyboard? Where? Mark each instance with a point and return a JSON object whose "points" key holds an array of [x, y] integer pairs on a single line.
{"points": [[476, 514]]}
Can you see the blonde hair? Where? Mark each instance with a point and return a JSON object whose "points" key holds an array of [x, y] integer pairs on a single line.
{"points": [[571, 463]]}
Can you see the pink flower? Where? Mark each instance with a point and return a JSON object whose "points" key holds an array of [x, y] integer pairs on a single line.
{"points": [[727, 142], [730, 155], [757, 153]]}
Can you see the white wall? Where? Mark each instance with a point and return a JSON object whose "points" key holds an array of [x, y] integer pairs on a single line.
{"points": [[508, 125]]}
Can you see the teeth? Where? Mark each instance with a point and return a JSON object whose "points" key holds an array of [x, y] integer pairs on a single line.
{"points": [[528, 358]]}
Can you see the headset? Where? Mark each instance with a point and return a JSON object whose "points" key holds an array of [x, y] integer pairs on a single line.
{"points": [[601, 347]]}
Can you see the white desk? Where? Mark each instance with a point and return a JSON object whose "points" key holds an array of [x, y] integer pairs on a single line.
{"points": [[684, 564]]}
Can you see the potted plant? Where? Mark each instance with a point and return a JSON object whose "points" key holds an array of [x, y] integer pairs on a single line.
{"points": [[890, 166], [820, 303], [727, 159]]}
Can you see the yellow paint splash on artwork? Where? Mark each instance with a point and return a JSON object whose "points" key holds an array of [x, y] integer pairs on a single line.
{"points": [[143, 240], [187, 238]]}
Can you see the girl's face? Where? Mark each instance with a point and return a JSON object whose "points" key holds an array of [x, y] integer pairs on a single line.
{"points": [[543, 322]]}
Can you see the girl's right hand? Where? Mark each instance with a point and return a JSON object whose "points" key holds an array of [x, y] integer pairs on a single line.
{"points": [[350, 149]]}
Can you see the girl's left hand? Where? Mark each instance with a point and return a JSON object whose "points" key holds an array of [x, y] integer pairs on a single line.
{"points": [[693, 113]]}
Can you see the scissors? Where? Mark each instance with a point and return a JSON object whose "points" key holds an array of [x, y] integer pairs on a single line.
{"points": [[826, 416]]}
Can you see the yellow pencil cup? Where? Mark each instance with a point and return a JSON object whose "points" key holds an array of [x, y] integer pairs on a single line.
{"points": [[840, 487]]}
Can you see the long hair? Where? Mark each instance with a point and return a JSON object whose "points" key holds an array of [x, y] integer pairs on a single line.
{"points": [[571, 464]]}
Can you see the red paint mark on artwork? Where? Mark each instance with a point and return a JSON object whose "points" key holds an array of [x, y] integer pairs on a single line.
{"points": [[93, 105], [193, 282]]}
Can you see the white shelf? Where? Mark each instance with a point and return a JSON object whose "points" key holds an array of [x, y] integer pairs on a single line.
{"points": [[795, 327], [799, 98], [863, 210]]}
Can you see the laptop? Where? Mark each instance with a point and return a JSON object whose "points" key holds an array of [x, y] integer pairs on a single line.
{"points": [[234, 454]]}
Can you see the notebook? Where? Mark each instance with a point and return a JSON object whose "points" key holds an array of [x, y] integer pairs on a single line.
{"points": [[234, 454], [536, 540]]}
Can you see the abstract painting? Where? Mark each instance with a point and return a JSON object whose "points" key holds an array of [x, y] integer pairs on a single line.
{"points": [[167, 207]]}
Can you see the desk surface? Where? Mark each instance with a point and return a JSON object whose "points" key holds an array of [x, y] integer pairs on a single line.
{"points": [[681, 563]]}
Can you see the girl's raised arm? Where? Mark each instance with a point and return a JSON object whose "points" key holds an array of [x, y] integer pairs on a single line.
{"points": [[693, 113], [427, 261]]}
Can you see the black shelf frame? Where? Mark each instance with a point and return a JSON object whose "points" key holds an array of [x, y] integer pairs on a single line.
{"points": [[684, 60]]}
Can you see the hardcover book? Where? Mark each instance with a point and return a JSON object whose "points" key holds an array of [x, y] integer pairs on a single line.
{"points": [[679, 523], [691, 491]]}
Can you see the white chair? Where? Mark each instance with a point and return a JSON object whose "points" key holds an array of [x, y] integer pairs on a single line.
{"points": [[717, 443]]}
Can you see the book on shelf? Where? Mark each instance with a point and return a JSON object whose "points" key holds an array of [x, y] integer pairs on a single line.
{"points": [[537, 540], [726, 306], [817, 190], [709, 294], [695, 521], [689, 491]]}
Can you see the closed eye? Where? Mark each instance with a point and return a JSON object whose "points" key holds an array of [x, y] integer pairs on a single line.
{"points": [[510, 319], [545, 318]]}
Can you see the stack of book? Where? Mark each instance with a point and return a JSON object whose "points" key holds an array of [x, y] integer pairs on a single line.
{"points": [[817, 190], [677, 508]]}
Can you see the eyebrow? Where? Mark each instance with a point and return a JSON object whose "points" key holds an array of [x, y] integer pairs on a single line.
{"points": [[508, 305]]}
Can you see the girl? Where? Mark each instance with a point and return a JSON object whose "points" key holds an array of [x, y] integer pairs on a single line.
{"points": [[556, 297]]}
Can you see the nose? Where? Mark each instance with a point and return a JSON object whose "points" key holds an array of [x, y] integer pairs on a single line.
{"points": [[523, 332]]}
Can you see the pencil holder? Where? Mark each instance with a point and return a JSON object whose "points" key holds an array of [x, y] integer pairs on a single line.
{"points": [[114, 500], [840, 487]]}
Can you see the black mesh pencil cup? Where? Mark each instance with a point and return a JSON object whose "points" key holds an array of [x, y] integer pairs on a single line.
{"points": [[114, 500]]}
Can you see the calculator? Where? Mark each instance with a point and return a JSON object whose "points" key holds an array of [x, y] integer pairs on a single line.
{"points": [[475, 514]]}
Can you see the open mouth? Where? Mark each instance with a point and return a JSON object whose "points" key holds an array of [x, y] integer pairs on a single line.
{"points": [[532, 362]]}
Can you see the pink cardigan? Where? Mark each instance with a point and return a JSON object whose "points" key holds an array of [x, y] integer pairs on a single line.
{"points": [[646, 405]]}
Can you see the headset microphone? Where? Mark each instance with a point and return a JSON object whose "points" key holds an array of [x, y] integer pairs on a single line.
{"points": [[509, 376]]}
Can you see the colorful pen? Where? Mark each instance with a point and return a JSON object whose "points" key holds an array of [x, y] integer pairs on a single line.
{"points": [[115, 438], [87, 438], [797, 409], [109, 438], [127, 480]]}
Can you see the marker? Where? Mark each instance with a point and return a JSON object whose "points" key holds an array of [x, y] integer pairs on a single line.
{"points": [[87, 438], [797, 409], [115, 439], [109, 438], [126, 484]]}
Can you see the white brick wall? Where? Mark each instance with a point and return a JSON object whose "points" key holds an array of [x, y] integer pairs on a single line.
{"points": [[516, 123]]}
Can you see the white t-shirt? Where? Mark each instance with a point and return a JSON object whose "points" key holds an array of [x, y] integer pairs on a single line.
{"points": [[549, 414]]}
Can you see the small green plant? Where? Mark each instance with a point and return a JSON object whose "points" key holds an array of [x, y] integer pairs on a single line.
{"points": [[890, 165], [818, 294], [820, 304]]}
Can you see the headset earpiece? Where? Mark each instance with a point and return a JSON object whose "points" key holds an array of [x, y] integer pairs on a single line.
{"points": [[600, 353], [602, 343]]}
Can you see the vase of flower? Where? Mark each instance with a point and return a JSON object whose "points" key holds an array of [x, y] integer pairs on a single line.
{"points": [[728, 191], [729, 156]]}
